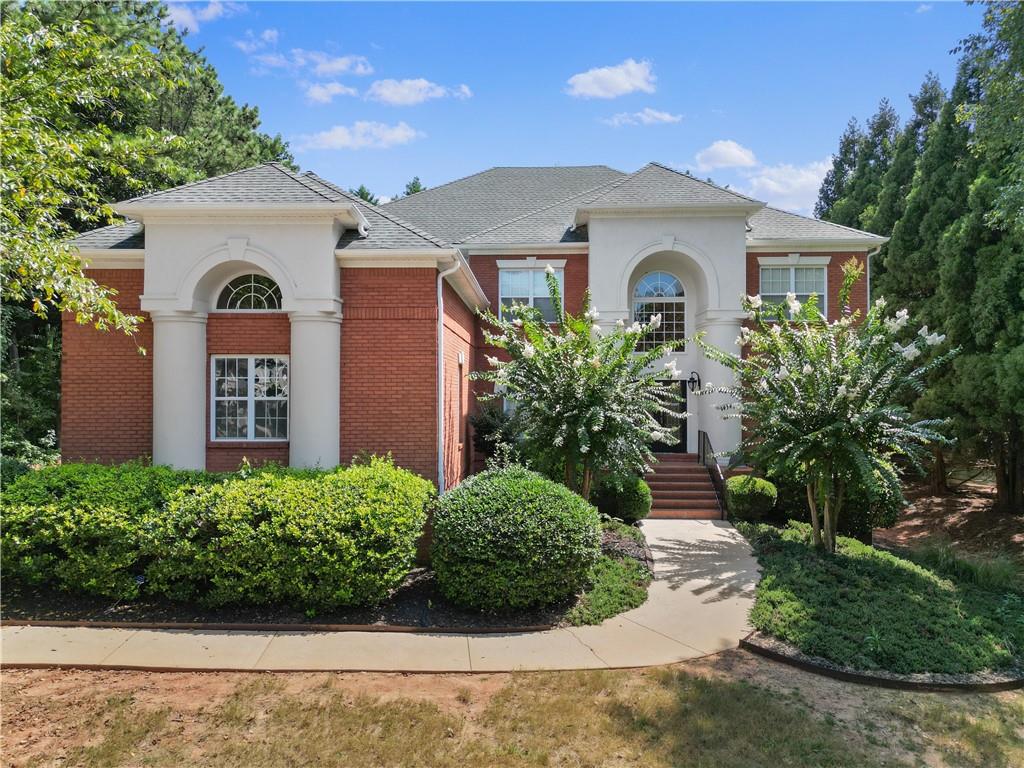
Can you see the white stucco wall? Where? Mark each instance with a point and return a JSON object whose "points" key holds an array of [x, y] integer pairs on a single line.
{"points": [[708, 254]]}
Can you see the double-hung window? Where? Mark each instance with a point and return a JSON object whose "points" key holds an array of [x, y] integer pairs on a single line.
{"points": [[528, 286], [249, 397], [777, 281]]}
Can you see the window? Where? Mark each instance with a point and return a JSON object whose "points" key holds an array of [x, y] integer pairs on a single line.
{"points": [[528, 286], [660, 293], [254, 293], [250, 398], [776, 282]]}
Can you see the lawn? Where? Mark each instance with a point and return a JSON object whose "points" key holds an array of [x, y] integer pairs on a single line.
{"points": [[733, 710], [870, 609]]}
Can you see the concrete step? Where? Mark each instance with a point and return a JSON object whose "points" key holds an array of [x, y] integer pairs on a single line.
{"points": [[686, 514], [679, 477], [658, 484], [683, 503], [662, 495]]}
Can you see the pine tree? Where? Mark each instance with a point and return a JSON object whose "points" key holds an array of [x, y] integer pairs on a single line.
{"points": [[365, 194], [833, 186], [873, 157], [414, 186]]}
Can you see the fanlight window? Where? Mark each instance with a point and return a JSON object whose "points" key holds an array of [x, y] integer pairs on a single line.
{"points": [[250, 292], [660, 293]]}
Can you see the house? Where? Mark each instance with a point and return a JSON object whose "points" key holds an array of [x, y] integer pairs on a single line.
{"points": [[287, 320]]}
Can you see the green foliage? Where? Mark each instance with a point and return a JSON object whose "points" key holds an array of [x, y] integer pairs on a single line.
{"points": [[749, 498], [313, 539], [365, 194], [628, 499], [994, 571], [844, 161], [414, 186], [338, 538], [585, 399], [825, 398], [509, 538], [492, 428], [872, 610], [616, 585]]}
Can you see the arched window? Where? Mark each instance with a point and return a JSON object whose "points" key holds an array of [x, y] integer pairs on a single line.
{"points": [[660, 293], [250, 292]]}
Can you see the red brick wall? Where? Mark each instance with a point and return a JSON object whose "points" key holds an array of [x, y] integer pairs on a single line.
{"points": [[388, 365], [106, 410], [229, 333], [834, 278], [459, 330]]}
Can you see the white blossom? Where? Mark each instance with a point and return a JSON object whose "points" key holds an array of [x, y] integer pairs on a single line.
{"points": [[911, 352], [841, 390], [791, 301], [657, 436], [880, 302], [754, 302], [655, 321], [595, 361], [634, 328], [592, 314], [549, 269], [782, 373], [517, 322], [923, 333], [894, 324], [595, 328], [807, 370], [493, 361], [620, 323], [935, 339], [529, 351]]}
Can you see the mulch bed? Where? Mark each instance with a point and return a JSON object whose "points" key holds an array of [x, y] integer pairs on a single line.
{"points": [[416, 604], [779, 650]]}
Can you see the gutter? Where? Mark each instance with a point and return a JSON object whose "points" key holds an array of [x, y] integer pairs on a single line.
{"points": [[459, 261]]}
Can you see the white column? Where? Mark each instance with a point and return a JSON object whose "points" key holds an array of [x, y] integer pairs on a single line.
{"points": [[179, 389], [314, 390], [724, 433]]}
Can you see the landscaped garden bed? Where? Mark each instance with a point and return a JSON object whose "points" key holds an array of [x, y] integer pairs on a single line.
{"points": [[863, 608], [86, 543]]}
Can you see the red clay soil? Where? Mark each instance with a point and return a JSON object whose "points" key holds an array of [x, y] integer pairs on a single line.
{"points": [[966, 519]]}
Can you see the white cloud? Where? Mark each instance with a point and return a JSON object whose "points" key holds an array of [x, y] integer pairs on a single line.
{"points": [[316, 62], [186, 16], [646, 116], [725, 154], [610, 82], [407, 92], [361, 135], [253, 42], [924, 8], [793, 187], [324, 93]]}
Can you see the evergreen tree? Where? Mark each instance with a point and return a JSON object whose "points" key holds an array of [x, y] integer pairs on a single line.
{"points": [[833, 186], [873, 157], [414, 186], [365, 194]]}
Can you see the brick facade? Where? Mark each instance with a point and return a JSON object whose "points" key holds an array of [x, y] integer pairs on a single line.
{"points": [[388, 365], [833, 278], [459, 331], [235, 333], [106, 412]]}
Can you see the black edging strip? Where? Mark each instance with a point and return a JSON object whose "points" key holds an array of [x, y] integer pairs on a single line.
{"points": [[822, 667], [240, 627]]}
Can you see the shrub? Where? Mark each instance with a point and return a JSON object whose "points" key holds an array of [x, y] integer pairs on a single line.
{"points": [[491, 429], [616, 585], [509, 538], [749, 497], [628, 500], [314, 539], [341, 538]]}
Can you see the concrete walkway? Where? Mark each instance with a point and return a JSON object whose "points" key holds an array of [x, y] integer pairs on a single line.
{"points": [[698, 603]]}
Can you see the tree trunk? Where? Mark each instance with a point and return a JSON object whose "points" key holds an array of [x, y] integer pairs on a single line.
{"points": [[587, 478], [815, 523], [570, 474], [938, 474]]}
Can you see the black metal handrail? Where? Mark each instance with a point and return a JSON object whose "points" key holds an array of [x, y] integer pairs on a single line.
{"points": [[706, 458]]}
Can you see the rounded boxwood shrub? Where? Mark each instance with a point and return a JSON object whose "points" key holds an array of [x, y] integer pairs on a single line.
{"points": [[319, 541], [510, 538], [748, 497], [628, 500]]}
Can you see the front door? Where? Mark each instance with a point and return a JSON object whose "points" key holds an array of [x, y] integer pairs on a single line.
{"points": [[672, 425]]}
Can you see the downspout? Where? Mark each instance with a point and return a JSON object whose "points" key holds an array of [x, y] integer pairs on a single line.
{"points": [[440, 368]]}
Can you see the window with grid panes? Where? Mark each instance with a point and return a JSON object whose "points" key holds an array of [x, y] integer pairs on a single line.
{"points": [[249, 397], [660, 293]]}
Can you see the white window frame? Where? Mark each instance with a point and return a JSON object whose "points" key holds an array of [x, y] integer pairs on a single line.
{"points": [[530, 264], [644, 344], [226, 283], [250, 399], [792, 261]]}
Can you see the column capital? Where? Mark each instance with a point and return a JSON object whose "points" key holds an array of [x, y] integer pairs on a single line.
{"points": [[176, 316], [314, 317]]}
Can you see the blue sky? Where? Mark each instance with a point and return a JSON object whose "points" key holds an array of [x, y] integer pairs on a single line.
{"points": [[752, 95]]}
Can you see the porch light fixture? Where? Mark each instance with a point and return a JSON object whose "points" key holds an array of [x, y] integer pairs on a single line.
{"points": [[694, 381]]}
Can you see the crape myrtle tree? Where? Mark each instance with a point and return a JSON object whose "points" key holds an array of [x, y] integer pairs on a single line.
{"points": [[823, 399], [584, 399]]}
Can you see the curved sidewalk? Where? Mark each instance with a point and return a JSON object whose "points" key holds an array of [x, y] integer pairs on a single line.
{"points": [[698, 603]]}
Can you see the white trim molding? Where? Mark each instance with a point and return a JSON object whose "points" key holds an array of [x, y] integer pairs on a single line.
{"points": [[819, 246], [794, 260], [537, 249], [530, 262]]}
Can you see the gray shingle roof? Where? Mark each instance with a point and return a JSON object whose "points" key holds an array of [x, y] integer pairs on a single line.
{"points": [[117, 237], [774, 224], [657, 184], [464, 207], [267, 183], [385, 229]]}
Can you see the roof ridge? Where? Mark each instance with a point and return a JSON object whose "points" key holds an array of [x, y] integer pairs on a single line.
{"points": [[621, 180], [823, 221], [187, 185], [380, 211], [702, 181], [446, 184], [298, 178], [514, 219]]}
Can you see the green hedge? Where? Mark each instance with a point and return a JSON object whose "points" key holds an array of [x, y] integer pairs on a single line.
{"points": [[314, 539], [510, 538], [749, 498], [628, 500]]}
